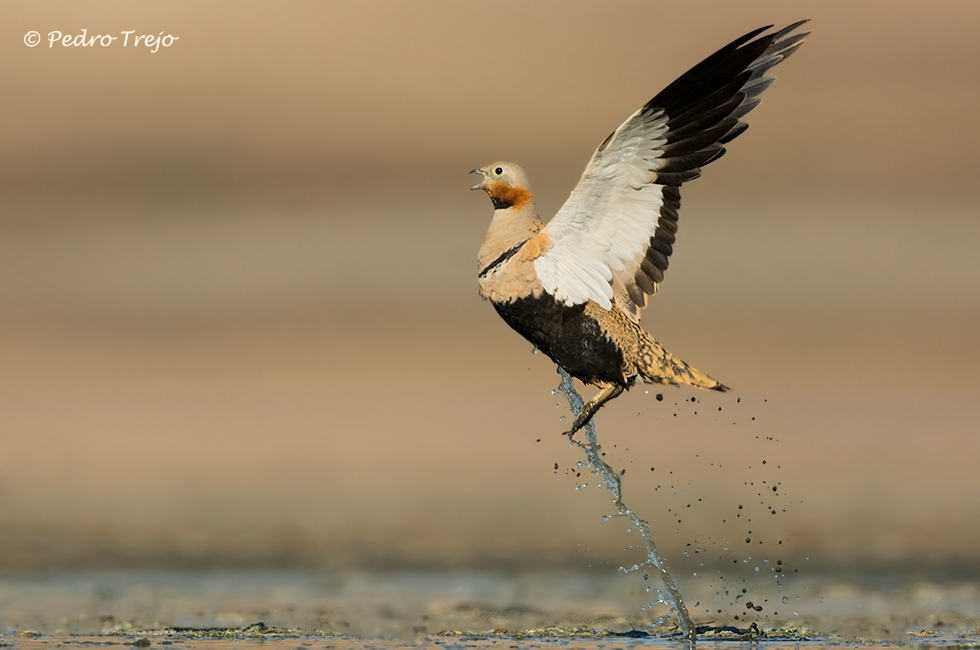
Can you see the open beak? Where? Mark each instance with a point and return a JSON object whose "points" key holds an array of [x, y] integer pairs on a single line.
{"points": [[480, 186]]}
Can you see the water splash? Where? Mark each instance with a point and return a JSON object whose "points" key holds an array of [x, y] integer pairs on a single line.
{"points": [[614, 484]]}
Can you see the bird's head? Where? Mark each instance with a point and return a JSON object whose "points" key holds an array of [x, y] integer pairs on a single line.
{"points": [[507, 185]]}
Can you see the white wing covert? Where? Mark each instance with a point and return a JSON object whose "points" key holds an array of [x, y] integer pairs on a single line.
{"points": [[611, 240]]}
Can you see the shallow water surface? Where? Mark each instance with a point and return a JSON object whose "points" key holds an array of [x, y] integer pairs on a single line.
{"points": [[469, 643], [462, 610]]}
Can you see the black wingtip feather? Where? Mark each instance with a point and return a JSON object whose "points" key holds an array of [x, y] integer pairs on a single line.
{"points": [[721, 151], [736, 131], [689, 161], [676, 178], [714, 72], [789, 28], [705, 105]]}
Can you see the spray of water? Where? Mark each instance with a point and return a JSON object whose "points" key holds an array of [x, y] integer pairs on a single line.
{"points": [[669, 596]]}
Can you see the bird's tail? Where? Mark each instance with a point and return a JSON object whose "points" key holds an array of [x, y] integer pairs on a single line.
{"points": [[658, 366]]}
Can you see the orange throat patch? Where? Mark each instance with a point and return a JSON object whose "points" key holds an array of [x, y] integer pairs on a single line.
{"points": [[504, 193]]}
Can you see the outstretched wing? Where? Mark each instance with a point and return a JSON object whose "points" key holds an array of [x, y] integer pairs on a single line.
{"points": [[612, 239]]}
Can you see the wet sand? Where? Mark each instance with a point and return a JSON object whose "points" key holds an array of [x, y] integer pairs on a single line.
{"points": [[464, 643], [466, 610]]}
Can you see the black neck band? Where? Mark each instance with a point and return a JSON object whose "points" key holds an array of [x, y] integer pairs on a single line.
{"points": [[500, 204], [506, 255]]}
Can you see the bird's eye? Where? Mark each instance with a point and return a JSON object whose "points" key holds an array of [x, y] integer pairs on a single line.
{"points": [[498, 171]]}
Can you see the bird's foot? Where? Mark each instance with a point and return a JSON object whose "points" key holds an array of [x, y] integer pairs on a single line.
{"points": [[583, 418], [607, 393]]}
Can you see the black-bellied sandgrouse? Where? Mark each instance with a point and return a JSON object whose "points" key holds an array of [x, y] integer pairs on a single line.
{"points": [[575, 287]]}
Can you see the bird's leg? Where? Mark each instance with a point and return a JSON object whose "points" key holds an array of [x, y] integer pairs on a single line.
{"points": [[610, 391]]}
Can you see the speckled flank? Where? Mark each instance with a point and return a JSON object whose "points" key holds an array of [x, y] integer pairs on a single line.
{"points": [[644, 359], [658, 366]]}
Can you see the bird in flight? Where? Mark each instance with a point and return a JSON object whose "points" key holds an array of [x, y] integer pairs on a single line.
{"points": [[575, 287]]}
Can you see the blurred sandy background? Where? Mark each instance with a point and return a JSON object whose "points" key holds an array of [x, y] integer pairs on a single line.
{"points": [[239, 324]]}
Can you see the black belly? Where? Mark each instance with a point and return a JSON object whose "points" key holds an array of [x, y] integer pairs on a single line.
{"points": [[572, 339]]}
